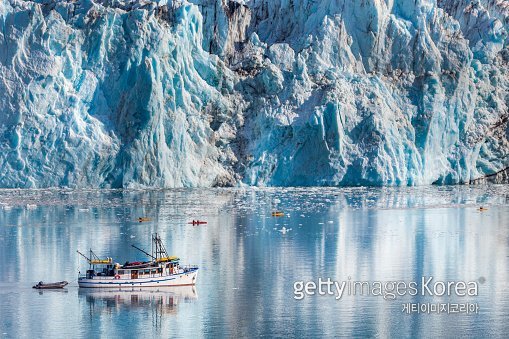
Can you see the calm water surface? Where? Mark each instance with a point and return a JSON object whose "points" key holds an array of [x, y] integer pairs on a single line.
{"points": [[248, 266]]}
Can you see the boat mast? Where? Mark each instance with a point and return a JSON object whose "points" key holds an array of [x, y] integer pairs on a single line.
{"points": [[95, 260], [160, 251]]}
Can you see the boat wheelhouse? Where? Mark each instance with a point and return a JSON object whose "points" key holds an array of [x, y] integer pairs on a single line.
{"points": [[161, 270]]}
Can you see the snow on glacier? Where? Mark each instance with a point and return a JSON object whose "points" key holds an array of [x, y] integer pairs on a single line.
{"points": [[218, 92]]}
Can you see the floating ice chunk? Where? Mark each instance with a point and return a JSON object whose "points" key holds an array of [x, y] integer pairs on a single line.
{"points": [[284, 230]]}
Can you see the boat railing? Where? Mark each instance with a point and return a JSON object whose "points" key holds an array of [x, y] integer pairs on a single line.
{"points": [[188, 268], [103, 277], [95, 277]]}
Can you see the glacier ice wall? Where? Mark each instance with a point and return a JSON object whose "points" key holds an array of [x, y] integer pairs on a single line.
{"points": [[120, 93]]}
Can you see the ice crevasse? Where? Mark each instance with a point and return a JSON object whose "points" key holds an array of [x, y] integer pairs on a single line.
{"points": [[200, 93]]}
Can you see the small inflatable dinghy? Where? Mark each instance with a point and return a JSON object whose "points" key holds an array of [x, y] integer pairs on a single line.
{"points": [[50, 286]]}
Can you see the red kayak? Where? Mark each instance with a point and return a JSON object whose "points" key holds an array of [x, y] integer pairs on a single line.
{"points": [[197, 222]]}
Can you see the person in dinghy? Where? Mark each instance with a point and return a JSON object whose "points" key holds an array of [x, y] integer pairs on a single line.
{"points": [[160, 270]]}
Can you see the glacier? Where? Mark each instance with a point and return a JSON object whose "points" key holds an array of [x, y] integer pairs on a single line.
{"points": [[201, 93]]}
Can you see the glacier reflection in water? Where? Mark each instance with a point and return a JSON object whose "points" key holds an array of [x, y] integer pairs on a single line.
{"points": [[248, 266]]}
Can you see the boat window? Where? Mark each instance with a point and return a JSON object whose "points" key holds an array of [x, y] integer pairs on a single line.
{"points": [[153, 271], [120, 271], [147, 271]]}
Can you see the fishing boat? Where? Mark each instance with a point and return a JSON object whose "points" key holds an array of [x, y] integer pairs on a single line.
{"points": [[50, 286], [160, 270]]}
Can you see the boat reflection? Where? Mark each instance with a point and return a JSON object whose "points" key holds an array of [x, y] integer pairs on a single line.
{"points": [[162, 300], [57, 291]]}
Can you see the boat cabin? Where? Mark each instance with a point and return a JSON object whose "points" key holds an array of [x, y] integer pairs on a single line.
{"points": [[133, 270], [148, 269], [101, 271]]}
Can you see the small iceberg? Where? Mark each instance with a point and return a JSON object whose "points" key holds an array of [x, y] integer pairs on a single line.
{"points": [[284, 230]]}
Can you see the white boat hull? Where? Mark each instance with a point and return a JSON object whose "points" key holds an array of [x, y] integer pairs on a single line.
{"points": [[182, 279]]}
